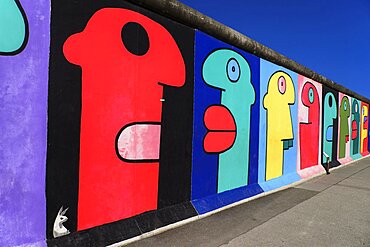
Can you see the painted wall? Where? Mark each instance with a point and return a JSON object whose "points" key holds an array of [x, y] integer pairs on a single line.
{"points": [[130, 121], [24, 56], [226, 119]]}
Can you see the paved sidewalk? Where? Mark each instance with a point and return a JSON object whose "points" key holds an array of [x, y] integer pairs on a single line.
{"points": [[330, 210]]}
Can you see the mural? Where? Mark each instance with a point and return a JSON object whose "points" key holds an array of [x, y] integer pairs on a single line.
{"points": [[223, 156], [309, 117], [278, 129], [364, 129], [344, 128], [228, 124], [329, 127], [23, 111], [355, 127], [128, 145], [13, 27], [137, 132], [130, 121]]}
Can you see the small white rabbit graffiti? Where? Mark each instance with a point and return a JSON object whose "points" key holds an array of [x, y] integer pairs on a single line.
{"points": [[60, 230]]}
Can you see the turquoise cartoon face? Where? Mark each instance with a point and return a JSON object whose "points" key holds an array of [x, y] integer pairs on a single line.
{"points": [[228, 71], [330, 113], [228, 124], [13, 27]]}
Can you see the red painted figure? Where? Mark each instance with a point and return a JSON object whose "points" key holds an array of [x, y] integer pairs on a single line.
{"points": [[309, 132], [122, 89]]}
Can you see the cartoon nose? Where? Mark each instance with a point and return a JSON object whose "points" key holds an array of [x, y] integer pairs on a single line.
{"points": [[171, 66], [73, 48]]}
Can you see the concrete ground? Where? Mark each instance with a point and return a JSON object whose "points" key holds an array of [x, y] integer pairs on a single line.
{"points": [[330, 210]]}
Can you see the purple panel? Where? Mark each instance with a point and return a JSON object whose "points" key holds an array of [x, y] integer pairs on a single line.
{"points": [[23, 111]]}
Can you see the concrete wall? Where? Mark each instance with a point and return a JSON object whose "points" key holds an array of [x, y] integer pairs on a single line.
{"points": [[24, 55], [131, 121]]}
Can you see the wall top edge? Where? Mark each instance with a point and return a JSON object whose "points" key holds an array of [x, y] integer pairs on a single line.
{"points": [[186, 15]]}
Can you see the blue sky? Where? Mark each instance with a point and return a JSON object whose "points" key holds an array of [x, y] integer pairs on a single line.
{"points": [[331, 37]]}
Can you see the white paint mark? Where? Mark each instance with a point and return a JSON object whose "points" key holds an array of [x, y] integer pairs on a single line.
{"points": [[60, 230]]}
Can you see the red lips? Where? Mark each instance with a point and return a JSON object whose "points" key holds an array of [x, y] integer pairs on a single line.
{"points": [[221, 129], [354, 130]]}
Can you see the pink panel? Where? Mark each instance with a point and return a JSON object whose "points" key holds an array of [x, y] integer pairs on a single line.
{"points": [[303, 117]]}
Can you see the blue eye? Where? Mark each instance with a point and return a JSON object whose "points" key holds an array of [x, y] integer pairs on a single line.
{"points": [[311, 96], [233, 70], [345, 105]]}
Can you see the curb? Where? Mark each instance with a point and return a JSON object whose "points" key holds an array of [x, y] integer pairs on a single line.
{"points": [[195, 218]]}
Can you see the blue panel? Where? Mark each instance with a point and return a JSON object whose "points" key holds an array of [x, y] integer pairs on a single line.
{"points": [[290, 174], [205, 165], [216, 201]]}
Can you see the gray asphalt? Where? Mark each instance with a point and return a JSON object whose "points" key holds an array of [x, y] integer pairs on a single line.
{"points": [[330, 210]]}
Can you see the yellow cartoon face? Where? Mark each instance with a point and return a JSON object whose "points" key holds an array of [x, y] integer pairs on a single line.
{"points": [[279, 130], [280, 94]]}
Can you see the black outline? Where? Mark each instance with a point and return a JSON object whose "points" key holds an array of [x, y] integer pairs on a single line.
{"points": [[279, 85], [124, 44], [308, 106], [26, 33], [224, 90], [354, 100], [332, 125], [240, 71], [290, 112], [208, 130], [309, 99], [340, 121], [300, 124], [366, 120], [329, 126], [118, 135], [334, 159], [81, 13]]}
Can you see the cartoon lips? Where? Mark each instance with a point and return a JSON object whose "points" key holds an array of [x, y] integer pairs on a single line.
{"points": [[354, 130], [221, 127], [138, 142]]}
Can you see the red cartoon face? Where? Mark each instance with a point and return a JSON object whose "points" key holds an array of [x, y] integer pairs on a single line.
{"points": [[126, 58], [309, 131], [310, 98]]}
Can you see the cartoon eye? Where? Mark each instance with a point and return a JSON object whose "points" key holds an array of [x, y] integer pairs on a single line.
{"points": [[233, 70], [356, 108], [135, 38], [311, 96], [282, 84], [345, 105], [363, 110], [330, 101]]}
